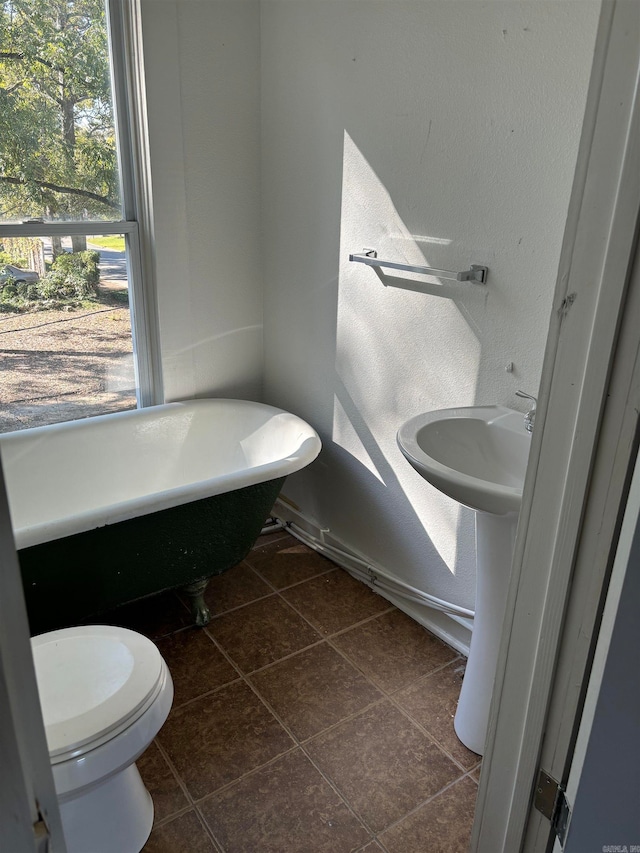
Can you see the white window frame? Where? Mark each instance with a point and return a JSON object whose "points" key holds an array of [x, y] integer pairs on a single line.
{"points": [[127, 74]]}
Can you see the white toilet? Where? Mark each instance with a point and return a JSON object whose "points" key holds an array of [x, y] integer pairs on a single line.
{"points": [[105, 693]]}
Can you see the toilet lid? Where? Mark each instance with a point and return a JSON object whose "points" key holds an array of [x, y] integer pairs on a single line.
{"points": [[93, 680]]}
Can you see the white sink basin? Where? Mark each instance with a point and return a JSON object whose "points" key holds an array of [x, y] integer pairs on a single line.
{"points": [[477, 455]]}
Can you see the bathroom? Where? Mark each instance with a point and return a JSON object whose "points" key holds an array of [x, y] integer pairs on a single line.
{"points": [[341, 126], [440, 133]]}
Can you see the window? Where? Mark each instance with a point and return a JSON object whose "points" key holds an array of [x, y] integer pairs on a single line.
{"points": [[77, 324]]}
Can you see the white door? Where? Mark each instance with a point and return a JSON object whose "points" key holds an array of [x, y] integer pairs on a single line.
{"points": [[29, 816], [579, 473]]}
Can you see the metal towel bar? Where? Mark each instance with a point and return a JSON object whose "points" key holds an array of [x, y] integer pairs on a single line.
{"points": [[371, 259]]}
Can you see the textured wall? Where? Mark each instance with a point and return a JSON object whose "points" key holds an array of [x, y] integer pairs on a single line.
{"points": [[202, 75], [443, 133]]}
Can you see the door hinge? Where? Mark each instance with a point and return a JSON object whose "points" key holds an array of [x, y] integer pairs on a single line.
{"points": [[41, 834], [551, 801]]}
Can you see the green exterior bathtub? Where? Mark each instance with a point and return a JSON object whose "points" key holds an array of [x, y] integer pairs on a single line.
{"points": [[71, 579], [113, 509]]}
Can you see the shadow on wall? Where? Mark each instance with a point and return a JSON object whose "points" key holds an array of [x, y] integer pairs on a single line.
{"points": [[394, 358], [459, 149], [429, 335], [437, 530]]}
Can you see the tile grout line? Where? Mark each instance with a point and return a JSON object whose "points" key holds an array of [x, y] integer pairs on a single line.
{"points": [[264, 578], [190, 803], [391, 696], [384, 690], [256, 570], [282, 534], [288, 656], [321, 638], [192, 807], [173, 816], [341, 630], [464, 770], [422, 804], [333, 785], [274, 591], [244, 678], [298, 743], [422, 727], [235, 609], [303, 743], [246, 775], [385, 695], [211, 834]]}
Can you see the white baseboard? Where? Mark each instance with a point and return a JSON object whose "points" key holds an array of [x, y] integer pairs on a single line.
{"points": [[453, 630]]}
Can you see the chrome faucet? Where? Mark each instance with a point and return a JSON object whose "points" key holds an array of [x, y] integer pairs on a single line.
{"points": [[530, 417]]}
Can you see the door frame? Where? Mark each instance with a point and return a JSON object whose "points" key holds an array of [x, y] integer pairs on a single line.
{"points": [[29, 813], [602, 784], [584, 444]]}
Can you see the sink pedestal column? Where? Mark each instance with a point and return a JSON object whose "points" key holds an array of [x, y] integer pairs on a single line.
{"points": [[495, 538]]}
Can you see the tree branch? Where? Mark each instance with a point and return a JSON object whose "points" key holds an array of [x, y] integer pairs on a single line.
{"points": [[14, 54], [58, 189], [11, 89]]}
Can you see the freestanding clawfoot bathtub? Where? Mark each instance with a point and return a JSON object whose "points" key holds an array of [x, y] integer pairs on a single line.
{"points": [[118, 507]]}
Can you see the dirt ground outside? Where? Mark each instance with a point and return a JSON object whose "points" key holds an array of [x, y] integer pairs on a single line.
{"points": [[66, 364]]}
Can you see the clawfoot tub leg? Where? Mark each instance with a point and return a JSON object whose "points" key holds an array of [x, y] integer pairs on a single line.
{"points": [[199, 610]]}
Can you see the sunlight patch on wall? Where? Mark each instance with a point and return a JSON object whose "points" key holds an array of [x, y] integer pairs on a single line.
{"points": [[398, 352], [434, 241], [392, 339], [439, 516]]}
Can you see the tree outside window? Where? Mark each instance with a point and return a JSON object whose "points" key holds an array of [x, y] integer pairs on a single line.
{"points": [[65, 247], [58, 157]]}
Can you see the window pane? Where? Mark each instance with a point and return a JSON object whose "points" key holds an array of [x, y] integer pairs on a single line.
{"points": [[65, 332], [58, 156]]}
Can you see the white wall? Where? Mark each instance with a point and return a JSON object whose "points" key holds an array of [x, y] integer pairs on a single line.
{"points": [[443, 133], [438, 132], [202, 78]]}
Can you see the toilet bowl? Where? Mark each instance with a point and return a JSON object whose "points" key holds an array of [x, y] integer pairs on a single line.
{"points": [[105, 693]]}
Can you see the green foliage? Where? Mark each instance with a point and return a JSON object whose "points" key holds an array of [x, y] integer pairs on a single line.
{"points": [[73, 276], [57, 139], [82, 264], [72, 280], [64, 285]]}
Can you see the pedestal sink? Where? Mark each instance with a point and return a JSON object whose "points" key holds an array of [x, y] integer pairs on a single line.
{"points": [[478, 456]]}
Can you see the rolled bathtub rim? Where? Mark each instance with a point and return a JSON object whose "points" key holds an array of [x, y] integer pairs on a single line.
{"points": [[308, 448]]}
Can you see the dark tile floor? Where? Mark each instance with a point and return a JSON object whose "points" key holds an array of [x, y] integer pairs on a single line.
{"points": [[310, 716]]}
